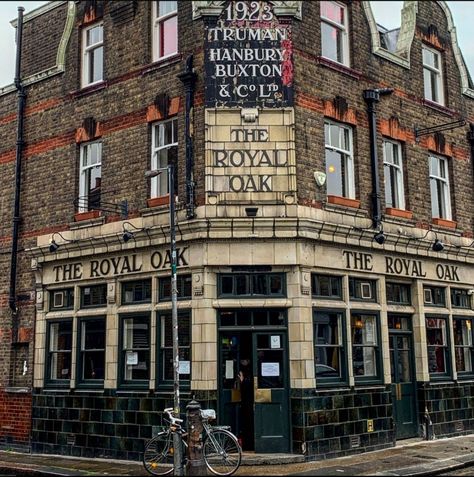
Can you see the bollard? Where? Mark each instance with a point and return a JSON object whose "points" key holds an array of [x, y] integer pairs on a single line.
{"points": [[195, 459]]}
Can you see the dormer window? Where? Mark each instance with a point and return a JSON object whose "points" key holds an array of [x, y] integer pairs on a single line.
{"points": [[433, 75], [334, 32]]}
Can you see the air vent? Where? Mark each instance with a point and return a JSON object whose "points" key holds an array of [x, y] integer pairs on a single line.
{"points": [[355, 441], [71, 440], [459, 426]]}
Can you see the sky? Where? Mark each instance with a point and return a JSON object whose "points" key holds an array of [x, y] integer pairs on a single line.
{"points": [[387, 13]]}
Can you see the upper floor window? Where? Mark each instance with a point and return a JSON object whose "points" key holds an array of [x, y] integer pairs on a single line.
{"points": [[339, 160], [360, 289], [460, 298], [92, 54], [90, 175], [94, 296], [434, 296], [432, 75], [61, 299], [439, 186], [326, 286], [392, 162], [165, 29], [334, 32], [136, 292], [164, 151], [398, 293]]}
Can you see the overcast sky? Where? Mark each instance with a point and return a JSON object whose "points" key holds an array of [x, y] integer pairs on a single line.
{"points": [[386, 13]]}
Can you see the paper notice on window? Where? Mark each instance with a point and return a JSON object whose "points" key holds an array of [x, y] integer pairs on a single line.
{"points": [[229, 369], [132, 358], [270, 369], [275, 342], [184, 367]]}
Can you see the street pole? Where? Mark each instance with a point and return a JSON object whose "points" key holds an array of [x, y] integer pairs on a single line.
{"points": [[178, 448]]}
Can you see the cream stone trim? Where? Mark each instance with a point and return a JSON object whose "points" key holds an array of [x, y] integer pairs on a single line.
{"points": [[59, 67], [214, 8]]}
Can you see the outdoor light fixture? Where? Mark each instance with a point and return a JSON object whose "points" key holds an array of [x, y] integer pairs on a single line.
{"points": [[379, 237], [251, 211], [53, 245], [438, 246], [127, 234]]}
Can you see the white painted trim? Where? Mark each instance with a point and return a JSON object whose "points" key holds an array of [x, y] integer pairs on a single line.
{"points": [[214, 8], [38, 11]]}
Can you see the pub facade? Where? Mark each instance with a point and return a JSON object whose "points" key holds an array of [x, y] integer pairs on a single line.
{"points": [[324, 227]]}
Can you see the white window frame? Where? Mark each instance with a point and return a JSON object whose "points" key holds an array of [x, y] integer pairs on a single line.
{"points": [[157, 22], [436, 73], [342, 28], [348, 154], [159, 184], [440, 185], [86, 52], [395, 171], [83, 205]]}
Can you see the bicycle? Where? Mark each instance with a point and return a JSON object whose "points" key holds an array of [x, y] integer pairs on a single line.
{"points": [[221, 450]]}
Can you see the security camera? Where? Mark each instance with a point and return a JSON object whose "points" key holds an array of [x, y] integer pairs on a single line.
{"points": [[471, 291]]}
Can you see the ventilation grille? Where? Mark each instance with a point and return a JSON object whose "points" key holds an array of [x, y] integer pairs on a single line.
{"points": [[355, 441]]}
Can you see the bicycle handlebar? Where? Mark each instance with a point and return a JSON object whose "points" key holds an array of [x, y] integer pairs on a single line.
{"points": [[174, 420]]}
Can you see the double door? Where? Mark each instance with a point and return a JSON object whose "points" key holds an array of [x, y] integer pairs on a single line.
{"points": [[253, 396]]}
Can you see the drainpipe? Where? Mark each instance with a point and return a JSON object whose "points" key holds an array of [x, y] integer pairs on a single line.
{"points": [[371, 97], [188, 78], [19, 151]]}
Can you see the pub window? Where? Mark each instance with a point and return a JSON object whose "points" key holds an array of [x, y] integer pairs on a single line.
{"points": [[248, 317], [59, 352], [434, 296], [328, 347], [183, 285], [91, 347], [326, 286], [165, 29], [463, 344], [94, 296], [365, 348], [165, 359], [460, 298], [92, 54], [334, 32], [251, 284], [361, 289], [138, 291], [339, 160], [135, 350], [433, 75], [61, 299], [164, 151], [90, 176], [393, 172], [439, 187], [437, 343], [398, 293]]}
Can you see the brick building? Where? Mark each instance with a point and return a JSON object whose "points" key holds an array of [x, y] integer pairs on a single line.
{"points": [[323, 169]]}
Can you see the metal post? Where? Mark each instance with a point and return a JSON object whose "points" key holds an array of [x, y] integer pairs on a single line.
{"points": [[178, 448], [195, 462]]}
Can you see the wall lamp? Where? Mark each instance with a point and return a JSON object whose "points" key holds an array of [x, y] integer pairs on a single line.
{"points": [[53, 245], [379, 237], [438, 246], [128, 234]]}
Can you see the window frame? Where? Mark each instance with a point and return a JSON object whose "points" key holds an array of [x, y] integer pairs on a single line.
{"points": [[134, 284], [68, 296], [377, 347], [86, 51], [157, 22], [395, 175], [434, 72], [341, 346], [373, 289], [249, 277], [333, 280], [343, 30], [464, 293], [80, 352], [160, 348], [433, 288], [84, 188], [348, 168], [180, 285], [443, 196], [470, 347], [48, 381], [159, 185], [95, 285], [122, 352], [436, 376], [401, 286]]}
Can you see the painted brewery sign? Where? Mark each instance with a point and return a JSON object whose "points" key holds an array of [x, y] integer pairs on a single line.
{"points": [[248, 58]]}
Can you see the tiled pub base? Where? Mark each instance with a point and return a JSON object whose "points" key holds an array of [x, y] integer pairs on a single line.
{"points": [[333, 423]]}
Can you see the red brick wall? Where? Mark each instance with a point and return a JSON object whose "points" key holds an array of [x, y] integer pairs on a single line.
{"points": [[15, 417]]}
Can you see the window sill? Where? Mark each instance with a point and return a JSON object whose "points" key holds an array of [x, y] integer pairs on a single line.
{"points": [[89, 89], [158, 201], [438, 107], [89, 215], [334, 65], [343, 201], [401, 213], [162, 63], [449, 224]]}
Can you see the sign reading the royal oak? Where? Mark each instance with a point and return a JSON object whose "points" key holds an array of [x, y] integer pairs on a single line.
{"points": [[117, 265], [248, 58]]}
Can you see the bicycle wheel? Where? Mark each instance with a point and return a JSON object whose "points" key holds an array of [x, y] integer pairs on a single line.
{"points": [[158, 455], [222, 452]]}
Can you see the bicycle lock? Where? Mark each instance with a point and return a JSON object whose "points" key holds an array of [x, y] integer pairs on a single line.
{"points": [[195, 462]]}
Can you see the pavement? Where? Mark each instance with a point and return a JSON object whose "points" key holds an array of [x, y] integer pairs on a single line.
{"points": [[412, 457]]}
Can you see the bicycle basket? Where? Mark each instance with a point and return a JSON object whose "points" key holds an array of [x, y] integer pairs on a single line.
{"points": [[208, 414]]}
